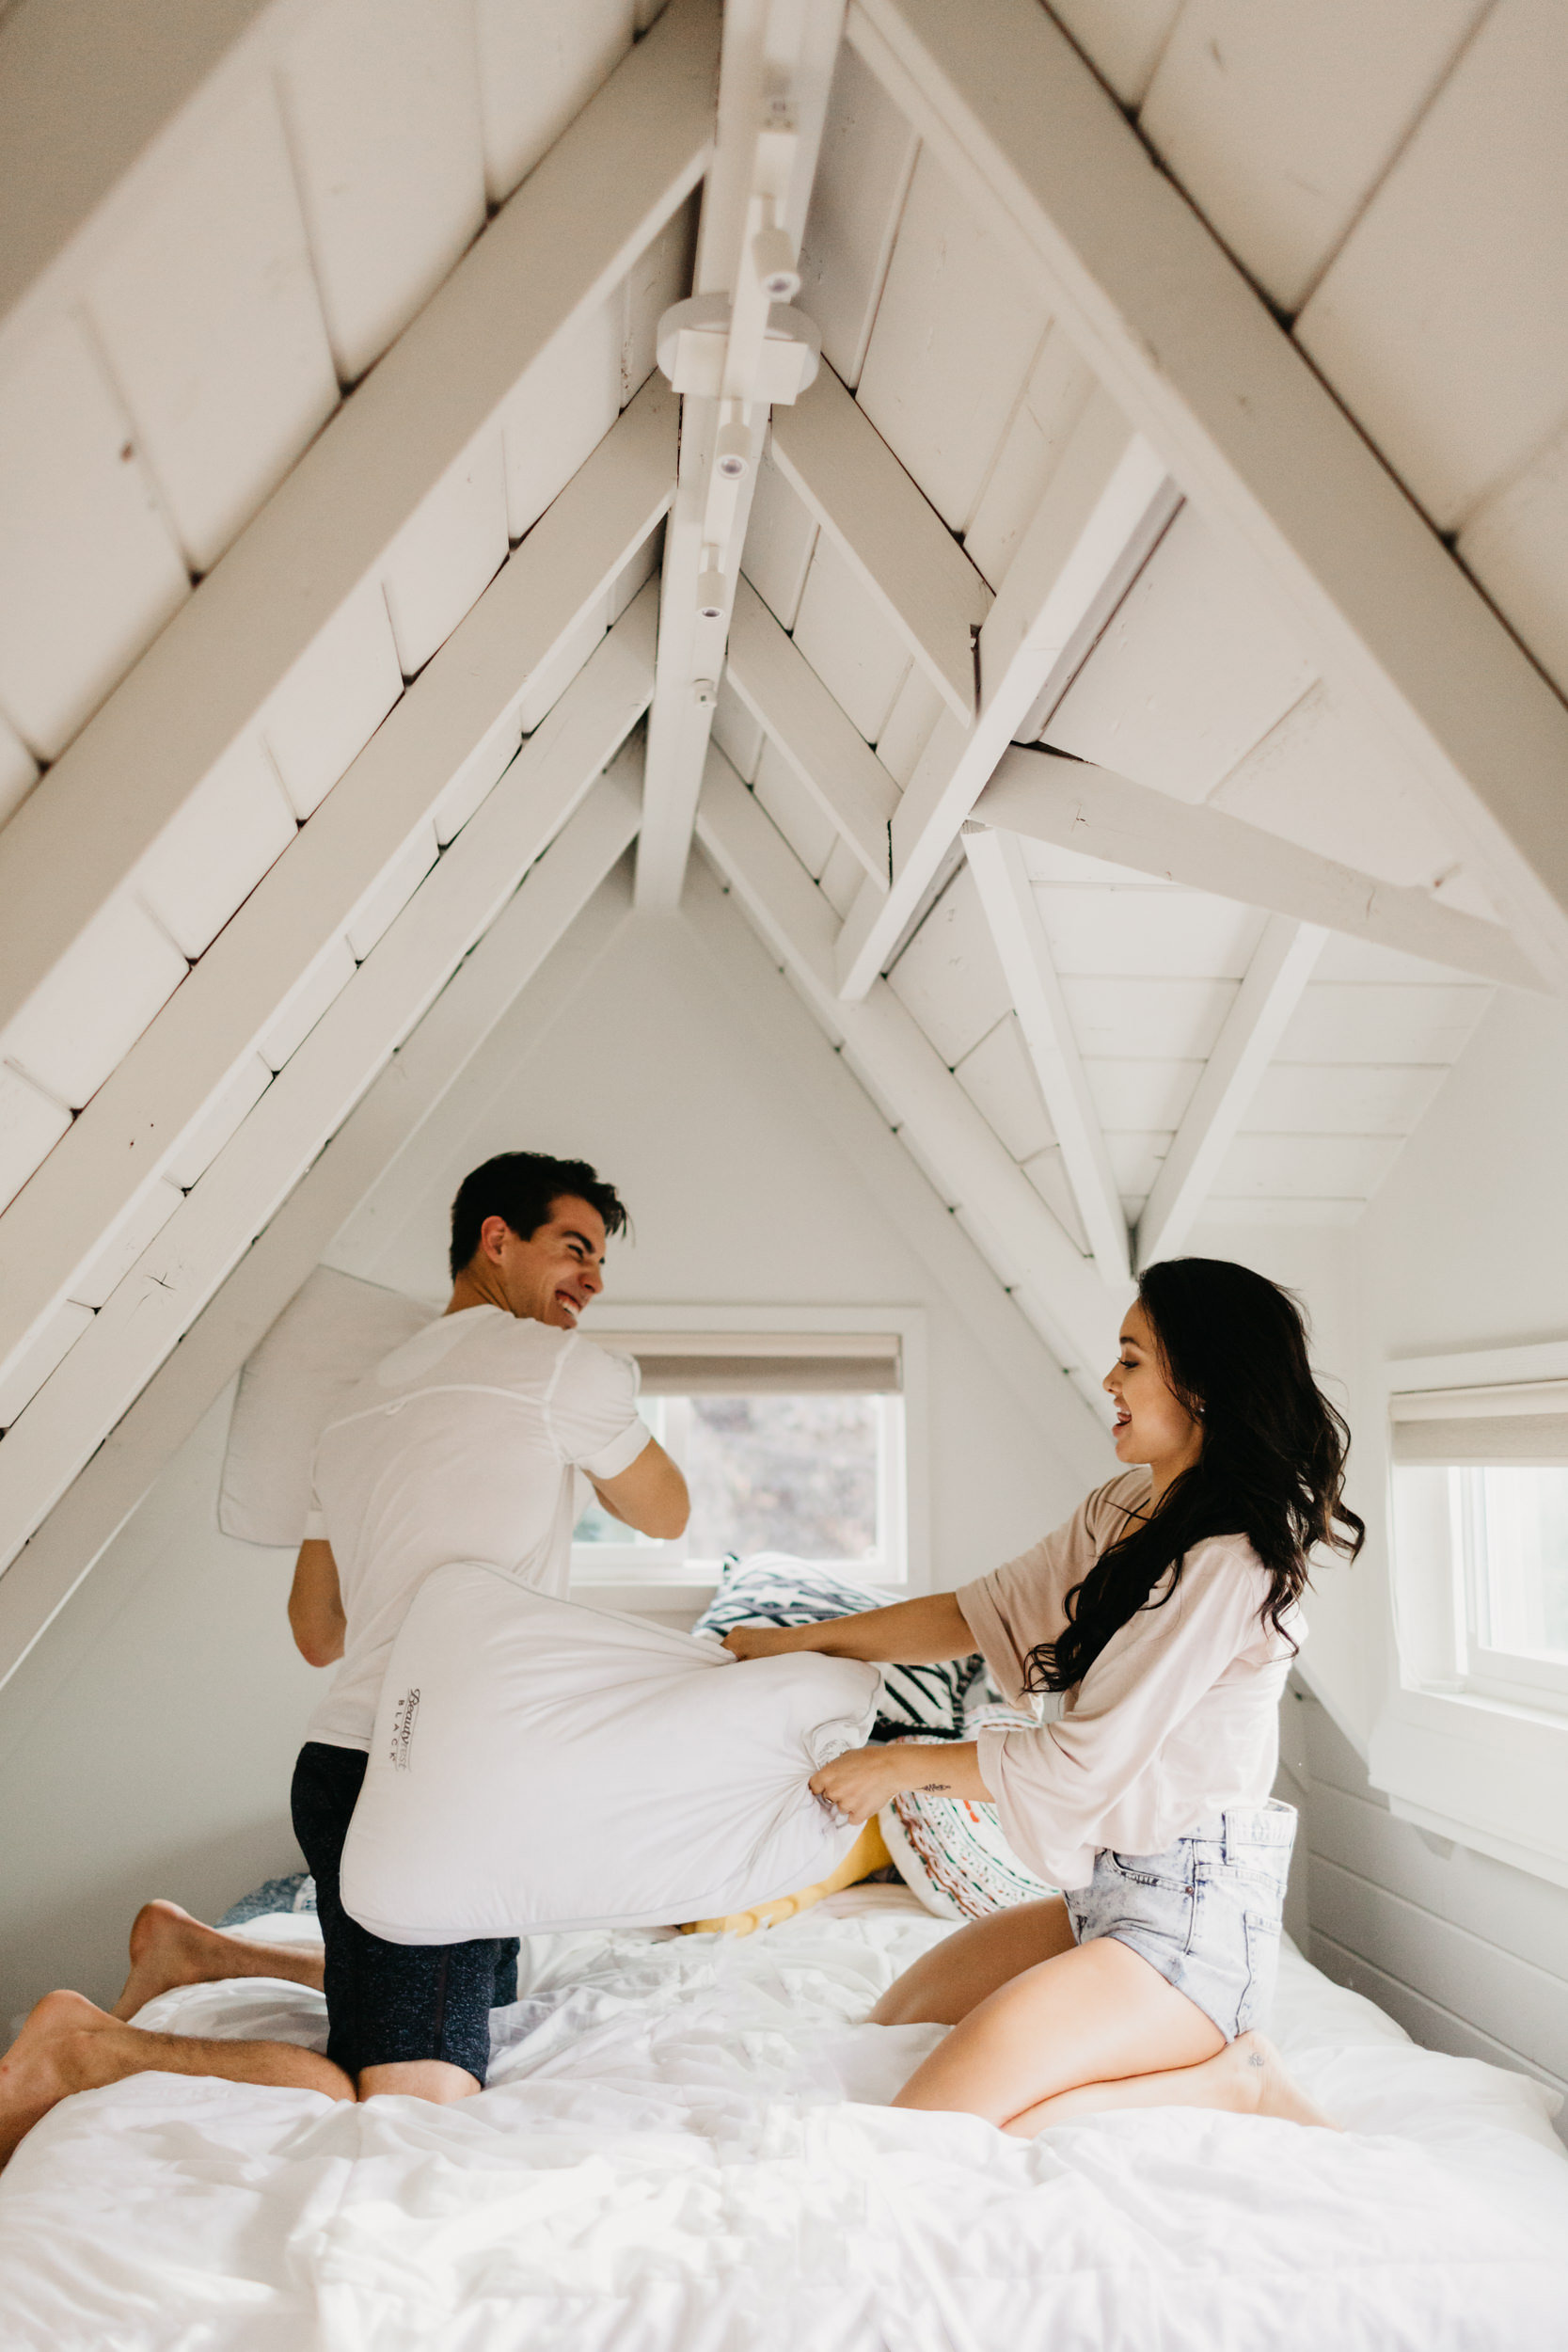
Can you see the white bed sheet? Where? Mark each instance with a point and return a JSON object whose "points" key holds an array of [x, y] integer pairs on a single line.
{"points": [[686, 2147]]}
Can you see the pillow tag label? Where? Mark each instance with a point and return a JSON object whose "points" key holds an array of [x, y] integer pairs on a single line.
{"points": [[404, 1716]]}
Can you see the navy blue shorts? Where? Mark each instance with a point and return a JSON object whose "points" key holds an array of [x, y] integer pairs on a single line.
{"points": [[390, 2003]]}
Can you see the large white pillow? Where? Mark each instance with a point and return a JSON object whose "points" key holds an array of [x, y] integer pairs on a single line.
{"points": [[537, 1764], [334, 1330]]}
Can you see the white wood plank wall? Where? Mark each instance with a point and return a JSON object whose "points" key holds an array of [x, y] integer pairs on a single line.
{"points": [[1468, 1954]]}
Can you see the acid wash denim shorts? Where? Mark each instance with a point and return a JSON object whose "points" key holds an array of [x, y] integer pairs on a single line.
{"points": [[1206, 1912]]}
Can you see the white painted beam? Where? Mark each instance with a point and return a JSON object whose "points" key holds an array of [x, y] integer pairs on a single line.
{"points": [[1280, 968], [1256, 438], [828, 1093], [549, 258], [823, 747], [775, 74], [892, 540], [558, 897], [466, 697], [177, 1273], [1106, 504], [1063, 1296], [1073, 803], [1007, 899]]}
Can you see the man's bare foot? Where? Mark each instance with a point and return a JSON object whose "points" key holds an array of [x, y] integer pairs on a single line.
{"points": [[51, 2057], [1261, 2085], [169, 1948]]}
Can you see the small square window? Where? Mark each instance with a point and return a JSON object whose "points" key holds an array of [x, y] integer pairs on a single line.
{"points": [[1513, 1523]]}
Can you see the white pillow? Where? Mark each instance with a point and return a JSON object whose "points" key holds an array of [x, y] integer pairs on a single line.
{"points": [[537, 1765], [334, 1330]]}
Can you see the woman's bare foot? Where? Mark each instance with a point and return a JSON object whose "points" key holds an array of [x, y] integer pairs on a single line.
{"points": [[1261, 2085], [51, 2057], [169, 1948]]}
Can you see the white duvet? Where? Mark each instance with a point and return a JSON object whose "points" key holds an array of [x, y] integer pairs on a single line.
{"points": [[686, 2147]]}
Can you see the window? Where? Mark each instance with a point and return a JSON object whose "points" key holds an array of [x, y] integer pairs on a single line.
{"points": [[1471, 1737], [1481, 1490], [791, 1441]]}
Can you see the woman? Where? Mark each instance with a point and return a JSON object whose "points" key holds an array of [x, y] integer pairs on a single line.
{"points": [[1166, 1614]]}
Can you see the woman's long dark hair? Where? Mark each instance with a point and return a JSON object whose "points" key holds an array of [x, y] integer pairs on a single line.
{"points": [[1232, 1346]]}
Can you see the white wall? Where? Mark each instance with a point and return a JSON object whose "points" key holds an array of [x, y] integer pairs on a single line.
{"points": [[1464, 1247], [146, 1745]]}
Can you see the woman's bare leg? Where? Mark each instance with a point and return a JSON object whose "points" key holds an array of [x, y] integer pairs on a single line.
{"points": [[957, 1974], [1248, 2077], [1095, 2014], [169, 1948], [68, 2046]]}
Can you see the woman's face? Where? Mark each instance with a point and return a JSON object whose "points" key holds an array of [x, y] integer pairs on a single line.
{"points": [[1153, 1424]]}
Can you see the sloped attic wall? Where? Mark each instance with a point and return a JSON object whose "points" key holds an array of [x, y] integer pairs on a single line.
{"points": [[146, 1743]]}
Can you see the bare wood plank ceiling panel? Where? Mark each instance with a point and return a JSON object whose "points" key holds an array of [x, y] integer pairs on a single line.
{"points": [[949, 976], [451, 547], [999, 1079], [780, 542], [1441, 325], [90, 569], [1318, 779], [1153, 934], [382, 102], [1343, 1021], [855, 650], [1122, 39], [1195, 667], [539, 64], [1280, 122], [1517, 545], [868, 151], [955, 337], [209, 320]]}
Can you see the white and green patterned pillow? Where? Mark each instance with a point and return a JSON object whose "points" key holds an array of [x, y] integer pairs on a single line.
{"points": [[950, 1850]]}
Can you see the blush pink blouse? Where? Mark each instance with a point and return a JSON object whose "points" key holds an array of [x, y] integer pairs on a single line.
{"points": [[1177, 1718]]}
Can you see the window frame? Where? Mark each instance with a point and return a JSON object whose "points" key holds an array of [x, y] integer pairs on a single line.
{"points": [[1460, 1748], [635, 1574]]}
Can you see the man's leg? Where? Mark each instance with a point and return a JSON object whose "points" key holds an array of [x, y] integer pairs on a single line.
{"points": [[68, 2045], [169, 1948]]}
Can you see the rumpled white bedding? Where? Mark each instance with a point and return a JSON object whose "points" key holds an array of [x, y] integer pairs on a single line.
{"points": [[684, 2148]]}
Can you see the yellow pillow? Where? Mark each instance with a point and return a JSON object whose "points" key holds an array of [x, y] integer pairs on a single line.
{"points": [[869, 1852]]}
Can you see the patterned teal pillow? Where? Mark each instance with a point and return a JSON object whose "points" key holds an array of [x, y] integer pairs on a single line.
{"points": [[951, 1852], [772, 1588]]}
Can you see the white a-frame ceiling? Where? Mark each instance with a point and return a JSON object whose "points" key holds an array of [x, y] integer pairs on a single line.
{"points": [[1083, 684]]}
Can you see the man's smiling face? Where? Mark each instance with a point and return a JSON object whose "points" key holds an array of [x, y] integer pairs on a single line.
{"points": [[551, 1276]]}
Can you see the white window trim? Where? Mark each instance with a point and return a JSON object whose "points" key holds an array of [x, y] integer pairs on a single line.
{"points": [[1468, 1762], [615, 1587]]}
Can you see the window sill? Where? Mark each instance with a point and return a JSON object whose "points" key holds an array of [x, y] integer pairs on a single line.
{"points": [[1485, 1770]]}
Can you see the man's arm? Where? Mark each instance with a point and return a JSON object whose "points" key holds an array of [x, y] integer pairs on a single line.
{"points": [[649, 1496], [315, 1605]]}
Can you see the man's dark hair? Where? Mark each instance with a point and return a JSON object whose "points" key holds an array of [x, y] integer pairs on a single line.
{"points": [[522, 1187]]}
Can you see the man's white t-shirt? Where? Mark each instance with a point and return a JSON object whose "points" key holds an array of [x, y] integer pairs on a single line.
{"points": [[462, 1444]]}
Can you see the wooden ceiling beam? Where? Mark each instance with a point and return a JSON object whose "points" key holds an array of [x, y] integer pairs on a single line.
{"points": [[893, 539], [135, 1128], [549, 258], [525, 957], [1071, 1308], [1281, 966], [1007, 900], [1103, 511], [248, 1182], [1050, 797], [1192, 354], [823, 747]]}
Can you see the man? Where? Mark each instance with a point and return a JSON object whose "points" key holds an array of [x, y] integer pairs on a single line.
{"points": [[463, 1445]]}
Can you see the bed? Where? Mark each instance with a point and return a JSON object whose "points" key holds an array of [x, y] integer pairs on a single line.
{"points": [[686, 2147]]}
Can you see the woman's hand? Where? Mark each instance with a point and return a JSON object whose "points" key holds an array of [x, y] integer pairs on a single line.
{"points": [[862, 1780], [758, 1640]]}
